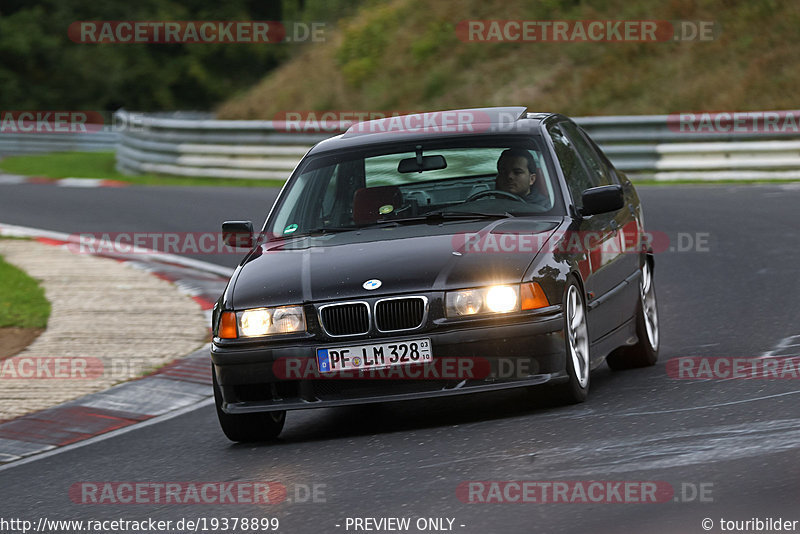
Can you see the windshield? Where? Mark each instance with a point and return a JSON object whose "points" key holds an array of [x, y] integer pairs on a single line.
{"points": [[413, 183]]}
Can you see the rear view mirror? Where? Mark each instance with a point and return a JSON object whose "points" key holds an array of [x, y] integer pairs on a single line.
{"points": [[237, 234], [422, 163], [602, 199]]}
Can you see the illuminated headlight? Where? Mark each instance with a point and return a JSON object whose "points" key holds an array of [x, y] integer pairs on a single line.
{"points": [[502, 299], [492, 299], [267, 321]]}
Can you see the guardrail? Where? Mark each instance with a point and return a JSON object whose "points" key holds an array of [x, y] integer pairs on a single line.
{"points": [[32, 143], [659, 147], [207, 147], [647, 146], [195, 144]]}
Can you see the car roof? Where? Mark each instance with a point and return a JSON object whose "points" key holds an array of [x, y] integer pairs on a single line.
{"points": [[436, 124]]}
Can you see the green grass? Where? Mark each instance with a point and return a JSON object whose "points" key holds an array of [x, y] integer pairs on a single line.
{"points": [[100, 165], [22, 301]]}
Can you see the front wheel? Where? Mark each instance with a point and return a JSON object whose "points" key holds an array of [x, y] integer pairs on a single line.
{"points": [[576, 336], [249, 427], [645, 352]]}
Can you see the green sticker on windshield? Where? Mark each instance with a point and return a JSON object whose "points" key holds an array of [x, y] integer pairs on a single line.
{"points": [[289, 229], [388, 208]]}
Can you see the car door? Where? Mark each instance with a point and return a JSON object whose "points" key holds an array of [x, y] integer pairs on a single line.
{"points": [[625, 223], [599, 235]]}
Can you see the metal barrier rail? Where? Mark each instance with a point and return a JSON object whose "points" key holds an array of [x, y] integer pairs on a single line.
{"points": [[32, 143], [647, 146], [195, 144]]}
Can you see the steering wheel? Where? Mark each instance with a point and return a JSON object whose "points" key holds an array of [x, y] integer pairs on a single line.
{"points": [[495, 192]]}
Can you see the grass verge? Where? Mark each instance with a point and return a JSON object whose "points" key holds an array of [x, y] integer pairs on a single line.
{"points": [[22, 300], [101, 165]]}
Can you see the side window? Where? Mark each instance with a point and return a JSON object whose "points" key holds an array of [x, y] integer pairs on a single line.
{"points": [[601, 175], [577, 177], [611, 171]]}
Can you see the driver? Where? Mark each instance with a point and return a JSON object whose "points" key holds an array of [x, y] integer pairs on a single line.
{"points": [[516, 174]]}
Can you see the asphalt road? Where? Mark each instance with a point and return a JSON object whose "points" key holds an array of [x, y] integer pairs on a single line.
{"points": [[735, 440], [159, 210]]}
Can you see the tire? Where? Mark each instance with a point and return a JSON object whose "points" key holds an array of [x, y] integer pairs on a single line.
{"points": [[577, 346], [250, 427], [645, 352]]}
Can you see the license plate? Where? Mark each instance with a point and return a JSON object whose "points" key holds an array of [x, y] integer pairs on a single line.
{"points": [[374, 356]]}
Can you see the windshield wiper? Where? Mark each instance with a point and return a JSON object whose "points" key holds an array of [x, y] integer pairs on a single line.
{"points": [[315, 231], [330, 230], [440, 215]]}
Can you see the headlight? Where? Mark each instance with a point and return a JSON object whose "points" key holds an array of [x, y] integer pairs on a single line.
{"points": [[467, 302], [268, 321], [255, 322], [495, 299], [502, 299], [492, 299], [288, 320]]}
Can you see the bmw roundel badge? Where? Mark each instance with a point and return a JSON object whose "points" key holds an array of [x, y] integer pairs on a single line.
{"points": [[372, 284]]}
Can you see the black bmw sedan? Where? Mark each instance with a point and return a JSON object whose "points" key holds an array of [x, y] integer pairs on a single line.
{"points": [[431, 255]]}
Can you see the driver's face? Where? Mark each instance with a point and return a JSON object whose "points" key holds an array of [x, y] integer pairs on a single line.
{"points": [[513, 176]]}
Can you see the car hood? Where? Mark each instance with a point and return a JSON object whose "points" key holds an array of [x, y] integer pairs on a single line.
{"points": [[414, 258]]}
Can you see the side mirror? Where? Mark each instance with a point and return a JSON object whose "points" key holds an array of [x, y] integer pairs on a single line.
{"points": [[237, 234], [602, 199]]}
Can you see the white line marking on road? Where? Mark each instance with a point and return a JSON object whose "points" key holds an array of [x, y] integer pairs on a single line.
{"points": [[784, 343]]}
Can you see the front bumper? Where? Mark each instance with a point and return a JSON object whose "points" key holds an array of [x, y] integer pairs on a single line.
{"points": [[526, 350]]}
